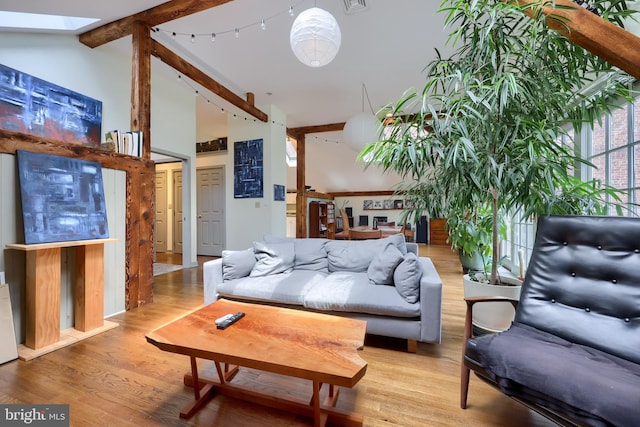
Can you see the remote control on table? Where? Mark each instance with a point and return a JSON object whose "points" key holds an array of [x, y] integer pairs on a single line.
{"points": [[230, 321], [223, 318]]}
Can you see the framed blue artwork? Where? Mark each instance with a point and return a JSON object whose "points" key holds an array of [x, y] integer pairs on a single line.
{"points": [[278, 192], [248, 169], [62, 198], [36, 107]]}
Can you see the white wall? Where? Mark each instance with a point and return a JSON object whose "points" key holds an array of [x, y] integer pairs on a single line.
{"points": [[103, 73], [247, 220], [333, 167]]}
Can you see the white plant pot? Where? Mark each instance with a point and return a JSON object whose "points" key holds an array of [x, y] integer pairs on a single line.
{"points": [[493, 316]]}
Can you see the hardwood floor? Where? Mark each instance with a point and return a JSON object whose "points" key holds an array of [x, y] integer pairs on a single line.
{"points": [[118, 379]]}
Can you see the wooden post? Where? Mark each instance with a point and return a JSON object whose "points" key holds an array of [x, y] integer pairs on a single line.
{"points": [[141, 84], [301, 198], [43, 297], [89, 288]]}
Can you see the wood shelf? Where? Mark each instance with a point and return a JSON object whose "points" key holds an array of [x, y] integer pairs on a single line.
{"points": [[72, 243], [322, 220]]}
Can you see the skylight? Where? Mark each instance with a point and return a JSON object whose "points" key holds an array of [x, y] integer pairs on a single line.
{"points": [[37, 21]]}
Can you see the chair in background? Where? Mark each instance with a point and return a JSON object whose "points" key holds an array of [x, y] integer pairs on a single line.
{"points": [[409, 233], [344, 234], [363, 220], [365, 234]]}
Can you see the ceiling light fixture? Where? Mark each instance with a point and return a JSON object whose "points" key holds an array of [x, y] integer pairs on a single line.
{"points": [[315, 37], [363, 128], [354, 6]]}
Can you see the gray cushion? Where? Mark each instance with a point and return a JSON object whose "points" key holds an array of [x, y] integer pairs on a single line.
{"points": [[381, 269], [310, 254], [406, 278], [236, 264], [272, 258], [351, 255], [285, 288], [352, 292]]}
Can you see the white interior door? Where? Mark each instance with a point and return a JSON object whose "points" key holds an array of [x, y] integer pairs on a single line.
{"points": [[177, 212], [210, 201], [160, 232]]}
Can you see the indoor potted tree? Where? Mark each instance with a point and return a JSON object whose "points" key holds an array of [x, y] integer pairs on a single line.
{"points": [[485, 129]]}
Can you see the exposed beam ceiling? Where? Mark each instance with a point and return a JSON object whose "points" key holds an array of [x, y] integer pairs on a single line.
{"points": [[161, 14], [184, 67], [602, 38]]}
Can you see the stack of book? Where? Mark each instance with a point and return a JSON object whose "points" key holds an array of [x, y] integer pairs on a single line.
{"points": [[129, 142]]}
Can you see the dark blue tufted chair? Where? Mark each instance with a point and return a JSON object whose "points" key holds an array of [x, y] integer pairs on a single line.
{"points": [[573, 350]]}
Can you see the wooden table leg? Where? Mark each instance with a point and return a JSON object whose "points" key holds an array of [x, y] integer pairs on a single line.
{"points": [[201, 395], [320, 413]]}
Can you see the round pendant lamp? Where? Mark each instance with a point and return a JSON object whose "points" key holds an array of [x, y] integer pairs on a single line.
{"points": [[360, 130], [315, 37]]}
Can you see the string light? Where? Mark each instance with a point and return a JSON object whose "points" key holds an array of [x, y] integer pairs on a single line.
{"points": [[244, 117], [262, 23]]}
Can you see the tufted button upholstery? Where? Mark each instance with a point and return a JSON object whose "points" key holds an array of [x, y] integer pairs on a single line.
{"points": [[559, 355], [572, 265]]}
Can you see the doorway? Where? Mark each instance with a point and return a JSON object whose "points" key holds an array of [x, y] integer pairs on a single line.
{"points": [[160, 231], [178, 221]]}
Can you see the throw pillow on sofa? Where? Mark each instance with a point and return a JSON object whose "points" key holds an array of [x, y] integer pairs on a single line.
{"points": [[237, 264], [356, 255], [381, 269], [272, 258], [310, 253], [406, 278]]}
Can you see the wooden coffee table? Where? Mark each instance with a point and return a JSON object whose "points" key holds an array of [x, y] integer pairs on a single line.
{"points": [[296, 343]]}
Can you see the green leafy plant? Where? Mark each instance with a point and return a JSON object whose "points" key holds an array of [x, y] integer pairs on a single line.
{"points": [[490, 118]]}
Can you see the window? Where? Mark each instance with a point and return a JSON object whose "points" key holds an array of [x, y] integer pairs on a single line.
{"points": [[613, 147]]}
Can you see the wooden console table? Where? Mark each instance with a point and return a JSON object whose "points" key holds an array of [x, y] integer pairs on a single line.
{"points": [[43, 295]]}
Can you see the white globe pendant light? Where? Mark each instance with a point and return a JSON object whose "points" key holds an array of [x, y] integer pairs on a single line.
{"points": [[315, 37], [360, 130], [363, 128]]}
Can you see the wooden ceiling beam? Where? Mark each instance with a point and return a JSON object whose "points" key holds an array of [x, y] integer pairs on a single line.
{"points": [[160, 14], [615, 45], [334, 127], [184, 67]]}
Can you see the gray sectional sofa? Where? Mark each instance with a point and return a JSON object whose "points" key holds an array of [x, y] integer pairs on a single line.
{"points": [[380, 281]]}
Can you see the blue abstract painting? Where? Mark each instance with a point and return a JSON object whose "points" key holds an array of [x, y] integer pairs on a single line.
{"points": [[278, 192], [62, 198], [36, 107], [247, 169]]}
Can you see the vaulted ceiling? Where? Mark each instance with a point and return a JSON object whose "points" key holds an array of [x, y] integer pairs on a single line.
{"points": [[385, 46]]}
